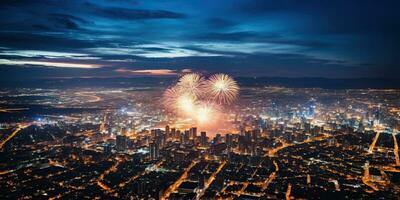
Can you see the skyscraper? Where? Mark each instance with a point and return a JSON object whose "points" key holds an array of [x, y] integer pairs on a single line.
{"points": [[107, 149], [203, 139], [121, 142], [193, 132], [229, 141], [167, 132], [186, 137], [154, 150]]}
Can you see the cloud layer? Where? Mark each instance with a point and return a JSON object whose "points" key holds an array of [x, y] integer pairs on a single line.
{"points": [[345, 39]]}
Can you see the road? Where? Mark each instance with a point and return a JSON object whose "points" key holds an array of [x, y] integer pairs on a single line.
{"points": [[396, 148], [273, 152], [10, 110], [271, 177], [372, 146], [91, 95], [288, 191], [210, 180], [143, 173], [13, 134], [178, 182], [366, 178], [101, 178]]}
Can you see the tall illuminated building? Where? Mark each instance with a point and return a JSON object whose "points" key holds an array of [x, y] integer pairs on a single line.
{"points": [[193, 132], [107, 149], [203, 139], [167, 131], [229, 142], [186, 137], [121, 143], [173, 133], [154, 150]]}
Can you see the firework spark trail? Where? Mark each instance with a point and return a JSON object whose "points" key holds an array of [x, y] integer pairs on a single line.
{"points": [[206, 112], [174, 99], [192, 83], [186, 103], [223, 89], [170, 98]]}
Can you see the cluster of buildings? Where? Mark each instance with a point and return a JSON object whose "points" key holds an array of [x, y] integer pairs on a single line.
{"points": [[286, 143]]}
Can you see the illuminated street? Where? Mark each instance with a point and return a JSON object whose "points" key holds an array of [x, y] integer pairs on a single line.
{"points": [[13, 134]]}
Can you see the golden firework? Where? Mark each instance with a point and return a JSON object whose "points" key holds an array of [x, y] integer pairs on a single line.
{"points": [[175, 100], [192, 83], [206, 112], [222, 88], [170, 98], [186, 103]]}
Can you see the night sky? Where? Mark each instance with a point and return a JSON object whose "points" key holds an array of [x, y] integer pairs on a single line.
{"points": [[280, 38]]}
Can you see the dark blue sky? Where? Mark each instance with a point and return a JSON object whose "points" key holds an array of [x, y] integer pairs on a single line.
{"points": [[280, 38]]}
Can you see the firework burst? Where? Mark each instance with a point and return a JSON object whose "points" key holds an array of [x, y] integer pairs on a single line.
{"points": [[206, 112], [186, 103], [170, 98], [174, 99], [196, 99], [222, 88], [192, 83]]}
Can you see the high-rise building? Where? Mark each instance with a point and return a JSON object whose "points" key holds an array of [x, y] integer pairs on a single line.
{"points": [[121, 142], [173, 133], [167, 132], [186, 137], [107, 149], [229, 141], [254, 151], [203, 139], [154, 150], [217, 138], [255, 134], [177, 134], [193, 132], [307, 127], [153, 133], [242, 144], [182, 138], [248, 136], [163, 139]]}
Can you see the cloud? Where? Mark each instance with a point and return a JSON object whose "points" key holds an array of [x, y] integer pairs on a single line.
{"points": [[59, 21], [152, 72], [48, 64], [147, 72], [217, 22], [246, 37], [329, 17], [33, 41], [136, 14], [251, 36]]}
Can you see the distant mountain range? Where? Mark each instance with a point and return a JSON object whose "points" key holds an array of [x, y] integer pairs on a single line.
{"points": [[327, 83]]}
